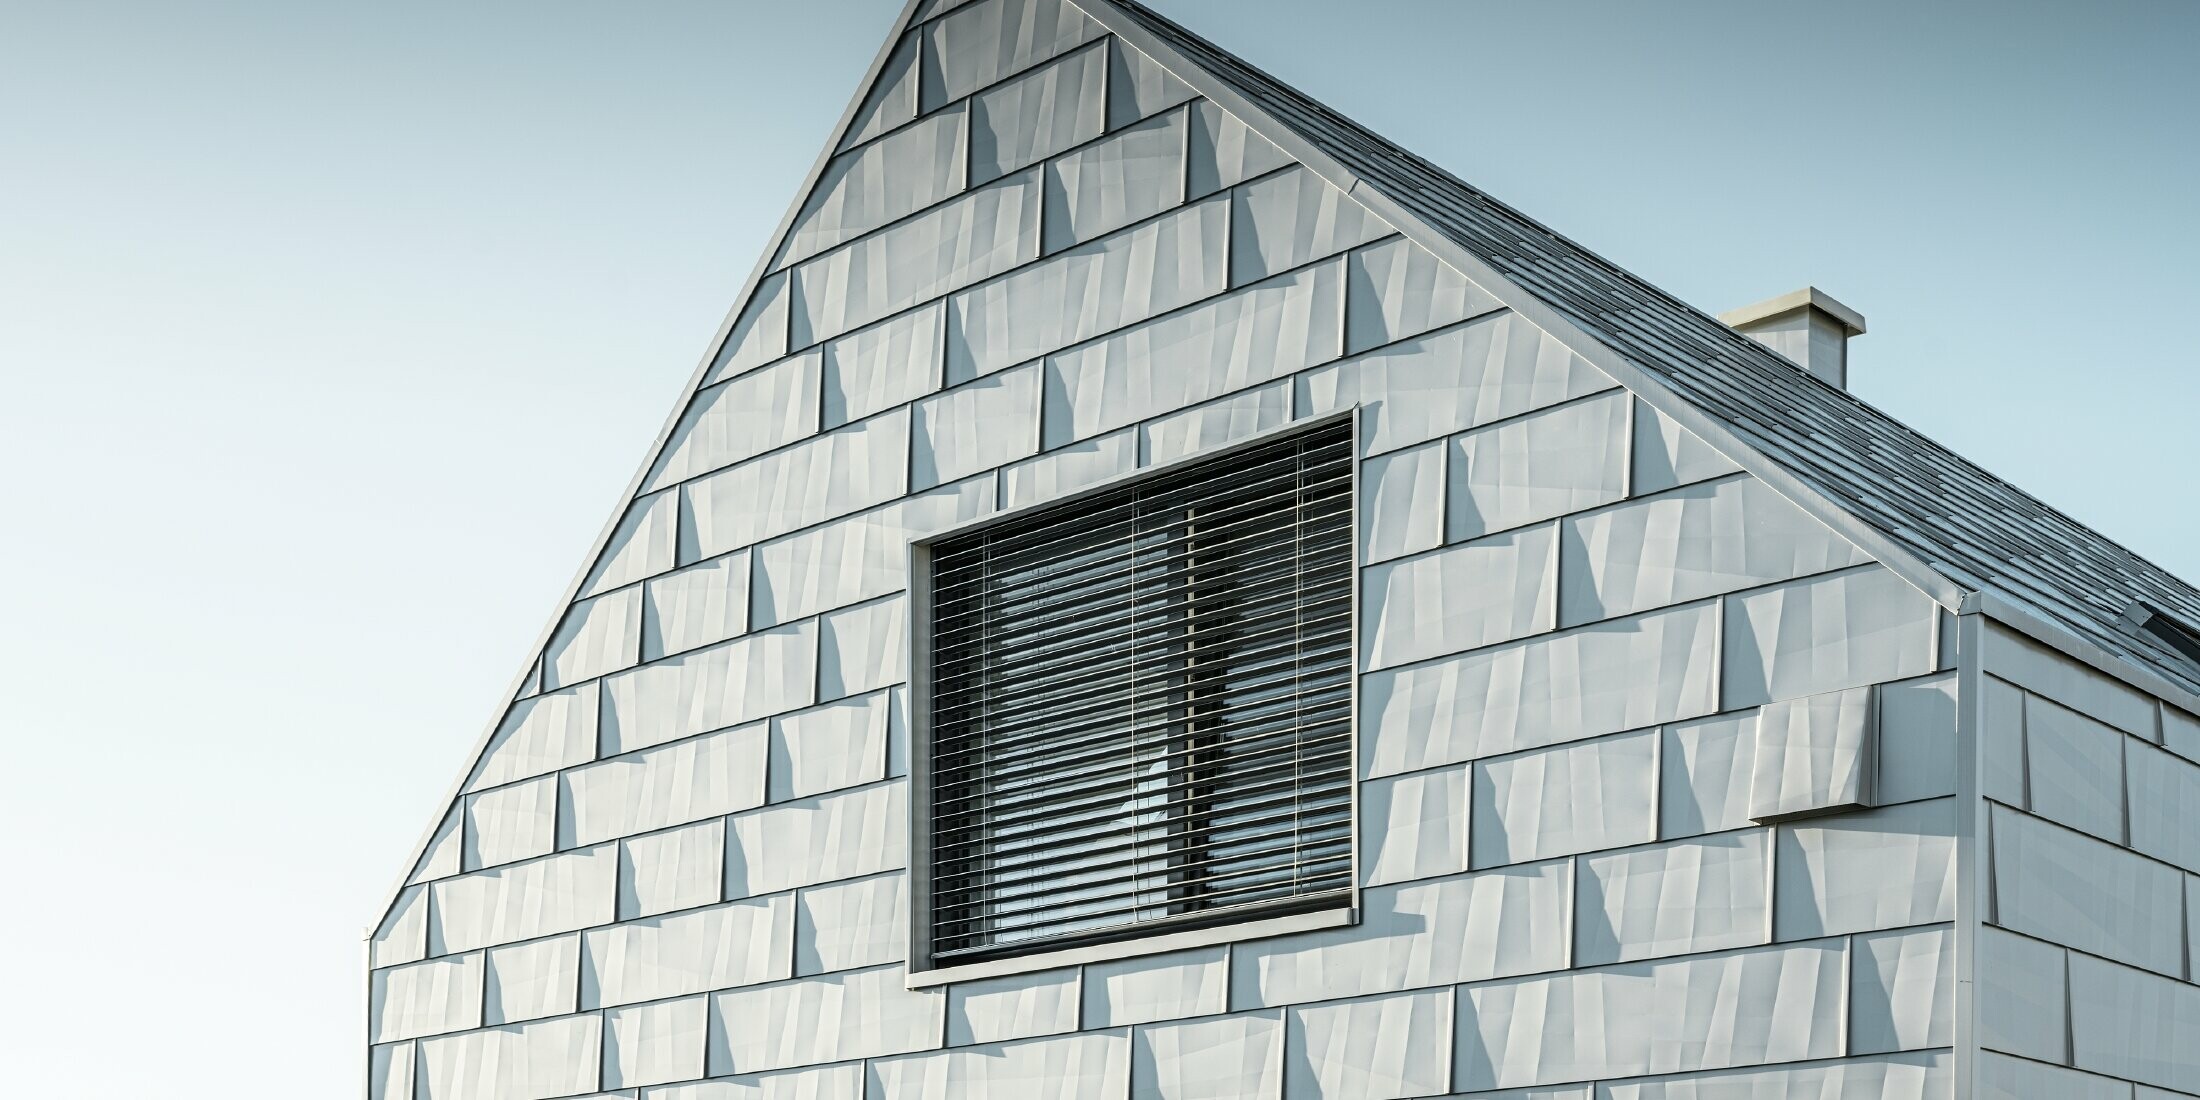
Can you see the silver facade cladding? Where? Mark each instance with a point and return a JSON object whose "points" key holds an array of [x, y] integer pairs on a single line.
{"points": [[1672, 778]]}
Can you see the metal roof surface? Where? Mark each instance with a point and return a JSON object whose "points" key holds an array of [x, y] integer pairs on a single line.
{"points": [[1976, 530]]}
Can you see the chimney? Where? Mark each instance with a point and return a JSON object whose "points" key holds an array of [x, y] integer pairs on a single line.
{"points": [[1807, 326]]}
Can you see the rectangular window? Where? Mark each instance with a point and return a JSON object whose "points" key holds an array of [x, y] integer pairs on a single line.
{"points": [[1140, 706]]}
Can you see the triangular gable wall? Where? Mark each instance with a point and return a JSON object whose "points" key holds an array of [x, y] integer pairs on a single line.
{"points": [[914, 243], [695, 810]]}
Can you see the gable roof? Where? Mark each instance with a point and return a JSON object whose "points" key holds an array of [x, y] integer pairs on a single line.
{"points": [[1946, 525]]}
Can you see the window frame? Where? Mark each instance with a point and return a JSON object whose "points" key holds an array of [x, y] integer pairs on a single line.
{"points": [[922, 971]]}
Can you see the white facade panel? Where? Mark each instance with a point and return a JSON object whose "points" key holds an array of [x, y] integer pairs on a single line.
{"points": [[1560, 801], [1414, 826], [874, 369], [539, 735], [820, 839], [701, 605], [858, 558], [598, 635], [1705, 894], [537, 1061], [1065, 470], [1706, 768], [1917, 740], [1225, 152], [2071, 889], [2003, 1078], [2001, 743], [892, 99], [524, 901], [2042, 671], [982, 42], [853, 1014], [863, 648], [403, 937], [710, 689], [742, 943], [854, 924], [1293, 218], [1545, 465], [656, 1043], [1217, 423], [974, 427], [1402, 503], [1105, 186], [1927, 1076], [2131, 1024], [825, 748], [1902, 991], [1019, 1006], [1824, 634], [1704, 540], [2074, 769], [1626, 674], [759, 335], [1667, 455], [1490, 924], [843, 471], [2022, 997], [1224, 1058], [640, 545], [1746, 1008], [2165, 804], [1028, 118], [509, 824], [736, 420], [674, 784], [1087, 291], [1138, 87], [1091, 1065], [1398, 289], [1252, 336], [948, 247], [671, 870], [530, 981], [1462, 597], [1884, 868], [1382, 1047], [1432, 386], [426, 998], [896, 176], [1156, 987]]}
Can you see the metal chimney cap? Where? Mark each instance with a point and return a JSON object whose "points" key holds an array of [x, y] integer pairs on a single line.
{"points": [[1809, 297]]}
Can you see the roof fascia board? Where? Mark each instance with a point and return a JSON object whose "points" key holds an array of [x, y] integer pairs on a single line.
{"points": [[1714, 433], [773, 244], [2016, 616]]}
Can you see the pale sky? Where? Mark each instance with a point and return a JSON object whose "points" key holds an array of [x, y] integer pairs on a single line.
{"points": [[330, 334]]}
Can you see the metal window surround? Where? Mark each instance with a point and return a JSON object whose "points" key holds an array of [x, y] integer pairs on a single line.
{"points": [[1135, 709]]}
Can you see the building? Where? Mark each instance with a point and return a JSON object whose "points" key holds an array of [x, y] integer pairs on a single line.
{"points": [[1159, 592]]}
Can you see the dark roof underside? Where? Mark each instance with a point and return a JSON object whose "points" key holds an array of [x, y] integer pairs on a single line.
{"points": [[1979, 531]]}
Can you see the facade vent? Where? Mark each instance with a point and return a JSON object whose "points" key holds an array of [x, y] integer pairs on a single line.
{"points": [[1136, 708], [2176, 635]]}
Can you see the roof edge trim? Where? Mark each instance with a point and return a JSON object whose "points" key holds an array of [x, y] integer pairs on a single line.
{"points": [[1915, 571]]}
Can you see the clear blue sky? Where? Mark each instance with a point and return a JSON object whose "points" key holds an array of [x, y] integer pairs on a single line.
{"points": [[330, 332]]}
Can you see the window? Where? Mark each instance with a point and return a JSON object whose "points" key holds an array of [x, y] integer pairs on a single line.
{"points": [[1138, 709]]}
